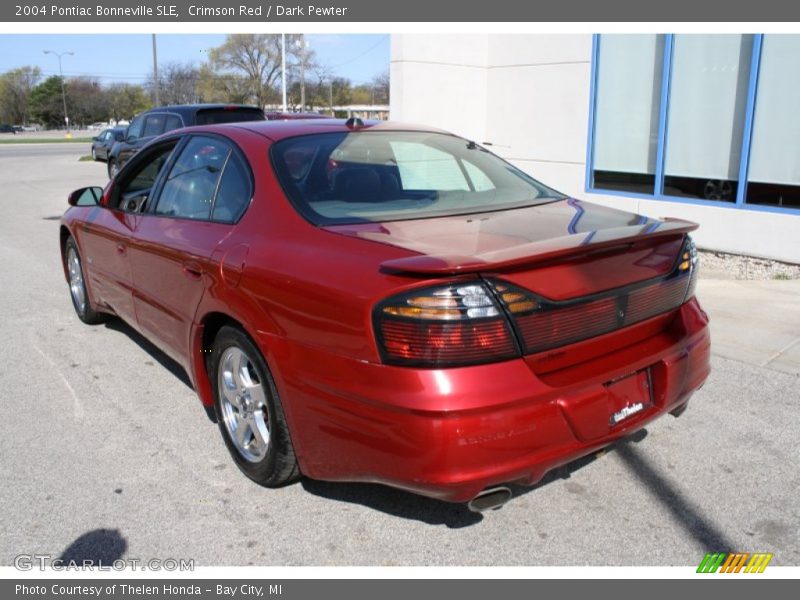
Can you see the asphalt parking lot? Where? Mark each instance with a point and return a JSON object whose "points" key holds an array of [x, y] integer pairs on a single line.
{"points": [[107, 453]]}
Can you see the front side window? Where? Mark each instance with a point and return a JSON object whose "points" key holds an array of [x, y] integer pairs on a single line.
{"points": [[371, 176], [191, 184], [137, 181], [135, 129]]}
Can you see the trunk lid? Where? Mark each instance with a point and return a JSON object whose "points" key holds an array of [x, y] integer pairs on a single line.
{"points": [[559, 250]]}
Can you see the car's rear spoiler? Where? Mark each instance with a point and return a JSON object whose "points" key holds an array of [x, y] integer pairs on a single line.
{"points": [[539, 252]]}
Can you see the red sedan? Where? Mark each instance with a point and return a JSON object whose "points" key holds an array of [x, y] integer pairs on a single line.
{"points": [[383, 303]]}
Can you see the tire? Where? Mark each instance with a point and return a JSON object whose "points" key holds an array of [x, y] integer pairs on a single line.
{"points": [[113, 168], [94, 154], [249, 411], [77, 285]]}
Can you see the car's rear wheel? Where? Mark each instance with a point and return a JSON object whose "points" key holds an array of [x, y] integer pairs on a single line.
{"points": [[77, 285], [113, 168], [249, 411], [94, 154]]}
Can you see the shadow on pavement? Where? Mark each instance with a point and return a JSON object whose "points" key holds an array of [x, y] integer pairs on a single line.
{"points": [[99, 547], [116, 324], [689, 517]]}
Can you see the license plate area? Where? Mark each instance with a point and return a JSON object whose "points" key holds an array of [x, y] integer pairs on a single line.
{"points": [[629, 396]]}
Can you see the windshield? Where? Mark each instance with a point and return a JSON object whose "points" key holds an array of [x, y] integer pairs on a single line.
{"points": [[374, 176]]}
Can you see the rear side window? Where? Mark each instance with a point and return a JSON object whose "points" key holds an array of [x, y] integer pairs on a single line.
{"points": [[211, 116], [153, 125], [172, 122], [233, 194]]}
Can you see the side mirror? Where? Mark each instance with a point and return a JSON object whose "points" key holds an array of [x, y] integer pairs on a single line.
{"points": [[88, 196]]}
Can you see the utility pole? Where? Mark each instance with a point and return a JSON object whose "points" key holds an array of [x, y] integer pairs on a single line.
{"points": [[283, 68], [330, 94], [156, 83], [63, 89], [302, 72]]}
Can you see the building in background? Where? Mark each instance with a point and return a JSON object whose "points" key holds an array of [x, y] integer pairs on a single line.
{"points": [[700, 127]]}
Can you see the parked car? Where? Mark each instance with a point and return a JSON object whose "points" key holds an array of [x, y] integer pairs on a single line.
{"points": [[290, 116], [97, 126], [105, 140], [393, 304], [5, 128], [31, 128], [150, 124]]}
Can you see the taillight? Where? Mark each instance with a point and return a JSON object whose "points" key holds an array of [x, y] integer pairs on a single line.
{"points": [[444, 326], [689, 261], [541, 324], [490, 320]]}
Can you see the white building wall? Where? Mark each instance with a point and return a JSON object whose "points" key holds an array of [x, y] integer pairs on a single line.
{"points": [[528, 96], [440, 80]]}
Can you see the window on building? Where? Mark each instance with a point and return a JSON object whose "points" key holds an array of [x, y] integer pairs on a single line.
{"points": [[774, 169], [708, 123], [705, 115], [626, 112]]}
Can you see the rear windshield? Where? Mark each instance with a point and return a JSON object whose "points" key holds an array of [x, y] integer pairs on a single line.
{"points": [[374, 176], [211, 116]]}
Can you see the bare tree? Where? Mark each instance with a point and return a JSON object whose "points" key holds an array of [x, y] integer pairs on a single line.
{"points": [[177, 83], [380, 87], [222, 87], [257, 56]]}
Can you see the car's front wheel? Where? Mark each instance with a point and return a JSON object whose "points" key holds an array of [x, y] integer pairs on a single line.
{"points": [[249, 411], [77, 285], [94, 153]]}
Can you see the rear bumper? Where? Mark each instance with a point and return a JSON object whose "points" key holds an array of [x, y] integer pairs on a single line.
{"points": [[450, 433]]}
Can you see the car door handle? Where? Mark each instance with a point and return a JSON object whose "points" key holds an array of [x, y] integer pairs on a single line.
{"points": [[192, 269]]}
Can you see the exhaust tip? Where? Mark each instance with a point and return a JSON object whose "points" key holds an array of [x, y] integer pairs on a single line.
{"points": [[680, 410], [490, 499]]}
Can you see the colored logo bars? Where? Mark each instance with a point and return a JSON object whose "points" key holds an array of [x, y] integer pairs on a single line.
{"points": [[734, 563]]}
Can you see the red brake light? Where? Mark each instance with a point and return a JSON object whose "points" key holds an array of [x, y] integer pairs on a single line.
{"points": [[444, 326]]}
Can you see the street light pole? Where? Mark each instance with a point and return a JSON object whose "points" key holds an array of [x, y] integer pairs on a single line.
{"points": [[156, 82], [63, 89], [283, 68], [302, 73]]}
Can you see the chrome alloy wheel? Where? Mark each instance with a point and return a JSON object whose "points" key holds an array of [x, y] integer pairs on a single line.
{"points": [[244, 404], [76, 280]]}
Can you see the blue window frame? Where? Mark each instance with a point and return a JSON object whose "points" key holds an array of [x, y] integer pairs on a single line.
{"points": [[649, 182]]}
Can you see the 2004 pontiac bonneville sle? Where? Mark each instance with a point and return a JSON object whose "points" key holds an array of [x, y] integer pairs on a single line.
{"points": [[393, 304]]}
